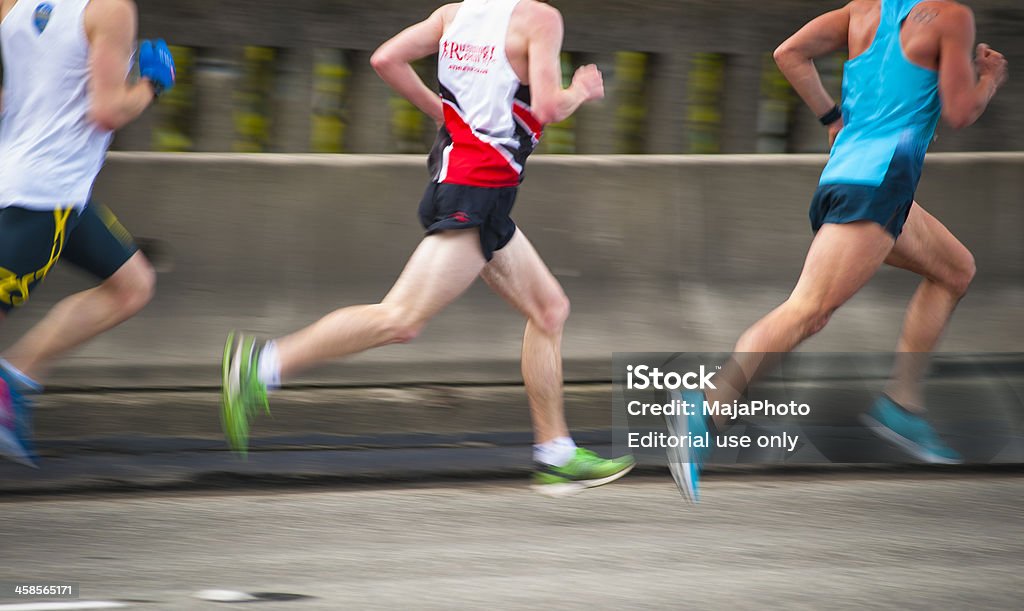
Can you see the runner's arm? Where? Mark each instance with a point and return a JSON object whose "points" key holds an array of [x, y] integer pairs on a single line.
{"points": [[111, 27], [795, 57], [551, 103], [966, 87], [393, 62]]}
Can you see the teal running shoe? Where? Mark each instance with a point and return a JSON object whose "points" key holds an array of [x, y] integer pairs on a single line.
{"points": [[585, 470], [15, 422], [243, 394], [909, 432], [685, 463]]}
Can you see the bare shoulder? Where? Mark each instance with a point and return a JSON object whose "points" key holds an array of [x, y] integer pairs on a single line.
{"points": [[101, 11], [949, 21], [941, 12], [539, 13], [861, 7], [945, 13], [110, 18], [447, 11]]}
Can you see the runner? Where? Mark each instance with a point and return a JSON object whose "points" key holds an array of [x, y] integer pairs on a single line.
{"points": [[910, 64], [64, 93], [489, 51]]}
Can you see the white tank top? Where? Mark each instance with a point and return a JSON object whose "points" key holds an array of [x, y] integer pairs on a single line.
{"points": [[488, 127], [50, 153]]}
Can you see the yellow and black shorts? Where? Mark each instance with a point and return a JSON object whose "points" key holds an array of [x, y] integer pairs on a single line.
{"points": [[32, 241]]}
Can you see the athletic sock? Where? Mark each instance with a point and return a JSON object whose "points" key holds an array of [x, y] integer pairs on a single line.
{"points": [[270, 366], [27, 384], [558, 452]]}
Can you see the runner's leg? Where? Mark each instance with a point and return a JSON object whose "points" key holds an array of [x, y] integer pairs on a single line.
{"points": [[98, 244], [80, 317], [928, 249], [841, 260], [442, 268], [519, 275]]}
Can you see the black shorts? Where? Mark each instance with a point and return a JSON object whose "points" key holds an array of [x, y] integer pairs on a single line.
{"points": [[848, 203], [32, 241], [888, 204], [447, 206]]}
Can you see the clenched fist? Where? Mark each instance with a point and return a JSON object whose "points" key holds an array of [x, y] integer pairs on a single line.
{"points": [[990, 62], [589, 82]]}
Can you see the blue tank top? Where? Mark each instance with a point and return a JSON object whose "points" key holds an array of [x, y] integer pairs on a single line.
{"points": [[890, 108]]}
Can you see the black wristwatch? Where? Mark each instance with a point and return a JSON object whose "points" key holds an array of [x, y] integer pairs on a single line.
{"points": [[831, 116]]}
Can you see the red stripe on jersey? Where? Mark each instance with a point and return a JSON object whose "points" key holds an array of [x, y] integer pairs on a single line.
{"points": [[523, 112], [472, 161]]}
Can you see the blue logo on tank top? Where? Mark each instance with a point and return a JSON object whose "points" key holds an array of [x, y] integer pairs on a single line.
{"points": [[42, 16]]}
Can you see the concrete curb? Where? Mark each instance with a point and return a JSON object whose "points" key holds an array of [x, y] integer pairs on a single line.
{"points": [[204, 471], [158, 439]]}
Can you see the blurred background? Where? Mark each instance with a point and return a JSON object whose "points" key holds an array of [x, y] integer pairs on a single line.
{"points": [[691, 76], [279, 181], [674, 213], [678, 251]]}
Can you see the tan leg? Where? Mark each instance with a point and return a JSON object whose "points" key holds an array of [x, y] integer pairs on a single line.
{"points": [[442, 268], [518, 274], [82, 316], [841, 260], [928, 249]]}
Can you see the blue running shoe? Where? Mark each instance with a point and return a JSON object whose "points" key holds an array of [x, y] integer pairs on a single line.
{"points": [[685, 463], [15, 423], [909, 432]]}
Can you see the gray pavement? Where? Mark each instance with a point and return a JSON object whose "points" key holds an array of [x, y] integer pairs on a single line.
{"points": [[797, 542]]}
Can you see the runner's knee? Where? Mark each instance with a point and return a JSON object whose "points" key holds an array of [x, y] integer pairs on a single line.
{"points": [[553, 314], [961, 274], [812, 314], [134, 285], [401, 326]]}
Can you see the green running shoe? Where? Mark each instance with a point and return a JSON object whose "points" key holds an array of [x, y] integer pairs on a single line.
{"points": [[243, 393], [585, 470]]}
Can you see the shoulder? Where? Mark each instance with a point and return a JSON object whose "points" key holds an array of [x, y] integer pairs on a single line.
{"points": [[102, 12], [953, 23], [948, 15], [540, 13], [113, 19], [444, 15], [860, 7], [447, 11], [539, 20]]}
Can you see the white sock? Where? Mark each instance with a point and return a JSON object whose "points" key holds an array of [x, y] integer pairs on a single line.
{"points": [[26, 382], [557, 452], [270, 366]]}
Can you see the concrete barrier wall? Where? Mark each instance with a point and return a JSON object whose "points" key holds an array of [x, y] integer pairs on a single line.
{"points": [[657, 254]]}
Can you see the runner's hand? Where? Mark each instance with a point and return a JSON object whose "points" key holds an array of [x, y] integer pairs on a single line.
{"points": [[990, 62], [588, 82], [156, 64], [833, 132]]}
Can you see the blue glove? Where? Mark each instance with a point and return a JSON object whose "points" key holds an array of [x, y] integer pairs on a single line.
{"points": [[156, 64]]}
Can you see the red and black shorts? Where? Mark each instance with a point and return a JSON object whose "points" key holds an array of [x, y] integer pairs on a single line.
{"points": [[447, 206]]}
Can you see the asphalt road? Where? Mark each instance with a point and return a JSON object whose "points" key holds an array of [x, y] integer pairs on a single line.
{"points": [[796, 542]]}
